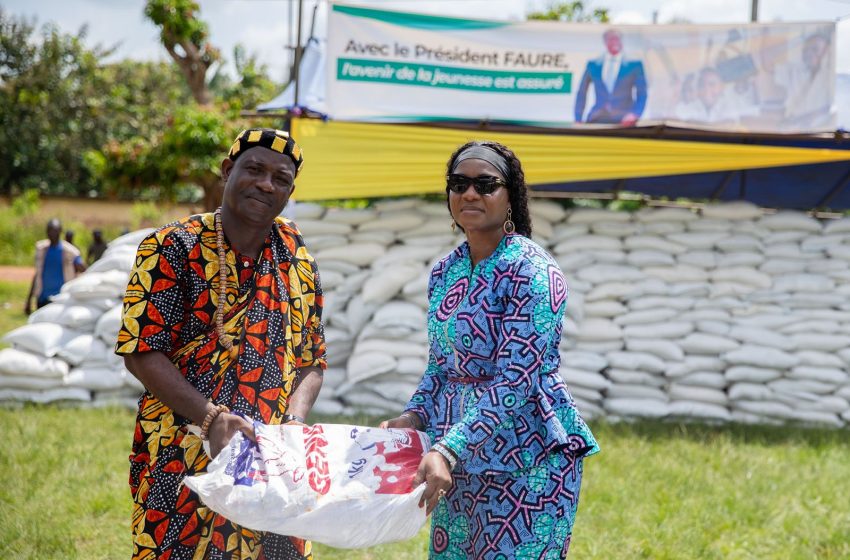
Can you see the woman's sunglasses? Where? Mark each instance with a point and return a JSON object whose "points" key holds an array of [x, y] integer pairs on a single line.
{"points": [[483, 185]]}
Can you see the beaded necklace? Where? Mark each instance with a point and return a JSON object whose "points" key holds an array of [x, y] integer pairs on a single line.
{"points": [[226, 340]]}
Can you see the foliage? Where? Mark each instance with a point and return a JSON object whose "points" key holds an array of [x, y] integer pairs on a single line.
{"points": [[139, 97], [18, 234], [252, 87], [185, 36], [75, 125], [656, 491], [49, 107], [188, 150], [26, 204], [145, 214], [575, 11]]}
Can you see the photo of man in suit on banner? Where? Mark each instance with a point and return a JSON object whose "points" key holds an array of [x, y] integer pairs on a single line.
{"points": [[619, 86]]}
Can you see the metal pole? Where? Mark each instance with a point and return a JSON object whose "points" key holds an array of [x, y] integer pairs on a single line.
{"points": [[290, 38], [754, 11], [298, 51]]}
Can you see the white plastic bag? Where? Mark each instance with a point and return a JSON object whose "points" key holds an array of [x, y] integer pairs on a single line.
{"points": [[340, 485]]}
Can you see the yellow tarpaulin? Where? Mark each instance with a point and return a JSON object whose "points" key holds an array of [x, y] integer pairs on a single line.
{"points": [[356, 160]]}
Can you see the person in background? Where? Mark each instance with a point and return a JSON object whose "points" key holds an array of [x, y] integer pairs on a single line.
{"points": [[222, 321], [619, 86], [503, 476], [69, 236], [97, 247], [56, 262]]}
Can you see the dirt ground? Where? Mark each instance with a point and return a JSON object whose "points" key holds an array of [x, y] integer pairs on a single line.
{"points": [[99, 213], [16, 273]]}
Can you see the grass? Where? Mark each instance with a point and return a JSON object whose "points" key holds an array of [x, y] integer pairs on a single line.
{"points": [[661, 491], [12, 295]]}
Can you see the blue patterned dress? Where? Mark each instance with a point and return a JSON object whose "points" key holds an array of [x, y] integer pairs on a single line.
{"points": [[493, 395]]}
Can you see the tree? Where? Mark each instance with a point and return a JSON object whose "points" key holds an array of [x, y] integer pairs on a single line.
{"points": [[50, 107], [138, 98], [575, 11], [184, 36], [252, 87]]}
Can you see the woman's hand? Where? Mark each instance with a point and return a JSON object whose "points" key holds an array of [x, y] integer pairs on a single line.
{"points": [[224, 427], [404, 421], [434, 472]]}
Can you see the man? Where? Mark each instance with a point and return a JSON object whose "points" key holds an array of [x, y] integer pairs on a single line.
{"points": [[619, 86], [56, 262], [97, 247], [810, 86], [211, 342], [712, 104]]}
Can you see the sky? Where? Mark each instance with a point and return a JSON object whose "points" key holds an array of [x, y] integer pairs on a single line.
{"points": [[265, 28]]}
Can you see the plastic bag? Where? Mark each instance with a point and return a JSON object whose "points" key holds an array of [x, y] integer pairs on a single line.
{"points": [[340, 485]]}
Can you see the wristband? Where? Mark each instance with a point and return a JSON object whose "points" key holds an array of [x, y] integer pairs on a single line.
{"points": [[208, 420], [447, 455], [292, 418]]}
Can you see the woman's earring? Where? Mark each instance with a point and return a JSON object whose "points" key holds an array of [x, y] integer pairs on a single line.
{"points": [[454, 226], [509, 226]]}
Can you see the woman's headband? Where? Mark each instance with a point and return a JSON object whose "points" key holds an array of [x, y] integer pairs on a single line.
{"points": [[487, 154], [276, 140]]}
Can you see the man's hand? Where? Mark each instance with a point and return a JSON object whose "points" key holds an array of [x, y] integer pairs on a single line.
{"points": [[434, 472], [28, 307], [224, 427], [404, 421], [629, 119]]}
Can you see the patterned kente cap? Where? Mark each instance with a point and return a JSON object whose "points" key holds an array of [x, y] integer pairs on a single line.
{"points": [[278, 140]]}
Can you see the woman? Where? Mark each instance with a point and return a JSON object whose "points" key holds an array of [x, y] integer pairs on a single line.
{"points": [[503, 476]]}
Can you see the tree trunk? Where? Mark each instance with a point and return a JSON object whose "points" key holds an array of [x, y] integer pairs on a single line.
{"points": [[193, 67], [213, 191]]}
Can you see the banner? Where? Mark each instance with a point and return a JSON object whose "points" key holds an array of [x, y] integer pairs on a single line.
{"points": [[352, 160], [396, 67]]}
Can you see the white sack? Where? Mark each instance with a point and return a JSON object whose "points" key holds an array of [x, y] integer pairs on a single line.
{"points": [[44, 339], [737, 210], [751, 374], [583, 360], [343, 486], [664, 349], [363, 365], [669, 329], [22, 363], [46, 396], [95, 378], [636, 360], [360, 254], [642, 408], [761, 356], [384, 285], [83, 347]]}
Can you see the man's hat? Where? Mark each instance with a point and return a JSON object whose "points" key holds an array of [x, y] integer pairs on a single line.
{"points": [[277, 140]]}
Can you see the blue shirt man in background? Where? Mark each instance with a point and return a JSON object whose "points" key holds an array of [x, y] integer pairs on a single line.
{"points": [[56, 262], [619, 86]]}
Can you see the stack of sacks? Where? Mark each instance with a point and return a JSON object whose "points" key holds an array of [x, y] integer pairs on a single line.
{"points": [[387, 317], [726, 314], [65, 351]]}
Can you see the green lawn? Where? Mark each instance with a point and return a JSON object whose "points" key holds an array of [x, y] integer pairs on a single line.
{"points": [[12, 296], [657, 491]]}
